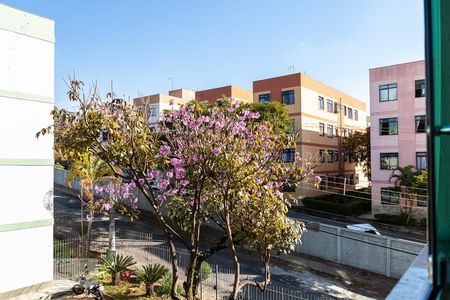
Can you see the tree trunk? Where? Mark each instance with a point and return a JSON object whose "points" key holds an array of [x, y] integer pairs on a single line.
{"points": [[112, 231], [149, 290], [231, 246], [88, 238], [173, 259]]}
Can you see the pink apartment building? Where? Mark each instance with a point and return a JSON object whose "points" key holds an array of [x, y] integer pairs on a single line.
{"points": [[397, 114]]}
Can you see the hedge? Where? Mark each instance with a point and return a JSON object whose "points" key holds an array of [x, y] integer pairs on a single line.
{"points": [[338, 204]]}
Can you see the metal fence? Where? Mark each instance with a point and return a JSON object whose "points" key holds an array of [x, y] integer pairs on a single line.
{"points": [[70, 256]]}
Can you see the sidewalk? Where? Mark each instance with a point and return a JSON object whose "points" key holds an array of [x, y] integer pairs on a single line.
{"points": [[58, 289]]}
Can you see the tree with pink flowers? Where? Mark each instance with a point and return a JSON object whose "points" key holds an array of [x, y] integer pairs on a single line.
{"points": [[212, 165]]}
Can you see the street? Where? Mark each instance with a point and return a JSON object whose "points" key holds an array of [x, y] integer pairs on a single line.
{"points": [[312, 282]]}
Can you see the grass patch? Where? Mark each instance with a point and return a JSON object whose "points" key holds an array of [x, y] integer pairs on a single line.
{"points": [[125, 290]]}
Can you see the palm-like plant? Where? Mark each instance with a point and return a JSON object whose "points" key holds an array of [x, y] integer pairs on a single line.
{"points": [[151, 274], [408, 179], [89, 169], [114, 265]]}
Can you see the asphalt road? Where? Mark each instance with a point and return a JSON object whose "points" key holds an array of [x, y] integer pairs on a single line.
{"points": [[386, 230], [313, 283]]}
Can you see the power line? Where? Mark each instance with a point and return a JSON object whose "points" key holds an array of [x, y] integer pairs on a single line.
{"points": [[356, 197], [376, 194], [400, 186]]}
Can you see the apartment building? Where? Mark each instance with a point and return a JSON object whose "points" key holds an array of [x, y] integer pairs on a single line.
{"points": [[397, 111], [26, 163], [324, 117], [229, 91], [154, 105]]}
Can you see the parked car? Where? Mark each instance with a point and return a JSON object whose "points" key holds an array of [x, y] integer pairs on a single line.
{"points": [[365, 227]]}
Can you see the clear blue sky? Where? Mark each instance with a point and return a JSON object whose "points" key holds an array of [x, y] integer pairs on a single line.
{"points": [[139, 44]]}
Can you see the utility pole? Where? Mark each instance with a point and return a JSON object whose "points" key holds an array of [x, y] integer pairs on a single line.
{"points": [[171, 78]]}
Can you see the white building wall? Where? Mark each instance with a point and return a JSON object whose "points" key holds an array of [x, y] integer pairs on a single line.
{"points": [[26, 163]]}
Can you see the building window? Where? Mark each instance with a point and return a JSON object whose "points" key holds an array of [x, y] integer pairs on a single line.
{"points": [[330, 157], [292, 127], [356, 178], [421, 160], [389, 126], [350, 132], [336, 155], [345, 110], [264, 98], [421, 124], [322, 155], [345, 132], [337, 107], [321, 129], [350, 158], [356, 115], [336, 131], [389, 197], [329, 106], [388, 161], [330, 131], [350, 113], [420, 88], [288, 97], [321, 103], [388, 92], [288, 155]]}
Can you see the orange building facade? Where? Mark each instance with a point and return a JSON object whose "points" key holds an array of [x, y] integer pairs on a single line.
{"points": [[324, 117]]}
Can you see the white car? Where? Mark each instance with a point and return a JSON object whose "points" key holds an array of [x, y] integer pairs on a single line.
{"points": [[365, 227]]}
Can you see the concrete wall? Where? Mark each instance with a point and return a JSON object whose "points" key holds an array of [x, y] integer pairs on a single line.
{"points": [[26, 163], [364, 251]]}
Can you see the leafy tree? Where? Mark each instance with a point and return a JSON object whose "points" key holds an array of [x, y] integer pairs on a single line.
{"points": [[90, 170], [211, 164], [358, 145], [412, 184], [232, 176]]}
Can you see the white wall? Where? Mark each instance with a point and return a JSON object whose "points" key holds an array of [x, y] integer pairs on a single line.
{"points": [[26, 163]]}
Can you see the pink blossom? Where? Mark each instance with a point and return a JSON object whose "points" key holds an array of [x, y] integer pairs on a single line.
{"points": [[169, 174], [89, 217], [216, 151], [155, 173], [164, 150], [180, 173], [184, 182], [149, 176], [176, 162], [319, 179], [141, 181], [163, 185], [106, 206]]}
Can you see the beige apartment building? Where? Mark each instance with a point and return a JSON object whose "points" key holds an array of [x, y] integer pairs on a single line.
{"points": [[154, 105], [324, 117]]}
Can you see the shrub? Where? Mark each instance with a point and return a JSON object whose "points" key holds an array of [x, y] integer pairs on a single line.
{"points": [[338, 204], [151, 274], [166, 286], [115, 265], [205, 270]]}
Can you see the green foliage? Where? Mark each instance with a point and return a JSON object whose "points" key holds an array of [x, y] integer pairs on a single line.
{"points": [[59, 166], [273, 112], [358, 144], [152, 273], [166, 286], [205, 270], [62, 250], [115, 265], [338, 204]]}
